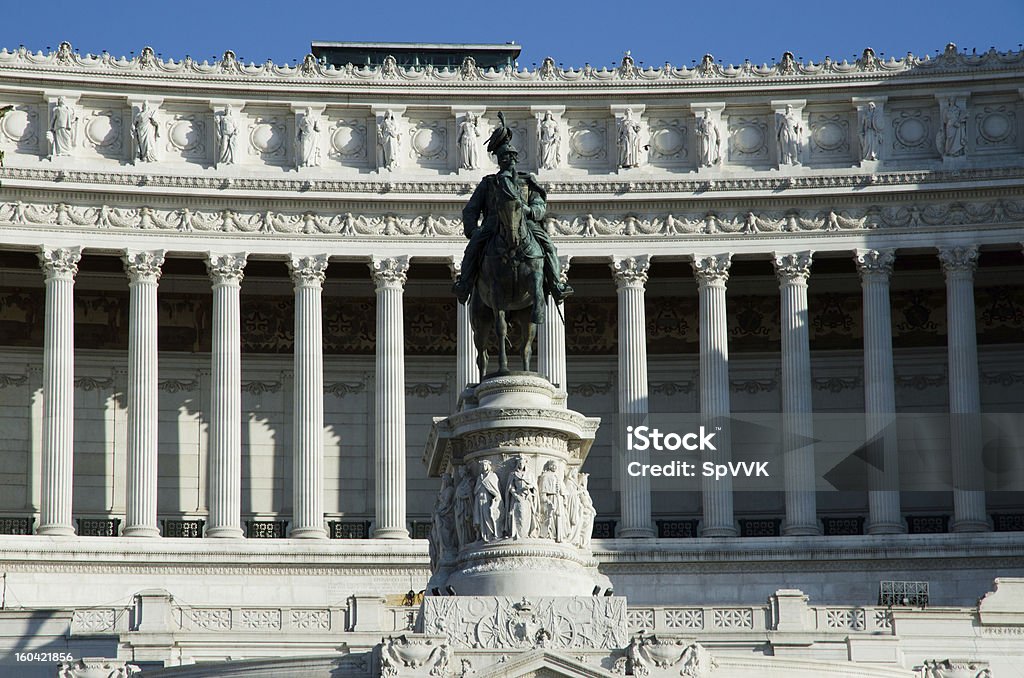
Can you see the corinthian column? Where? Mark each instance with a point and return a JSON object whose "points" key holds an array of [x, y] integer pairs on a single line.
{"points": [[225, 450], [59, 268], [143, 269], [551, 340], [466, 370], [875, 267], [712, 272], [792, 270], [389, 276], [630, 275], [958, 263], [308, 396]]}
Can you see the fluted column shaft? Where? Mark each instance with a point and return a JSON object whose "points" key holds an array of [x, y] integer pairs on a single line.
{"points": [[143, 269], [630, 274], [793, 270], [389, 275], [712, 273], [958, 264], [884, 517], [551, 340], [225, 448], [466, 370], [59, 268], [308, 275]]}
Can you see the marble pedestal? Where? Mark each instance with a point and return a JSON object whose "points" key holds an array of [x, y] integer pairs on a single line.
{"points": [[514, 516]]}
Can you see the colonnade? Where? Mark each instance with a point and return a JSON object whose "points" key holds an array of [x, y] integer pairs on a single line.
{"points": [[630, 273]]}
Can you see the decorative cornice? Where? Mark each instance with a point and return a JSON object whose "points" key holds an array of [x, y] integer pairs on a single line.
{"points": [[308, 271], [630, 271], [226, 269], [142, 266], [66, 62], [389, 272], [60, 262]]}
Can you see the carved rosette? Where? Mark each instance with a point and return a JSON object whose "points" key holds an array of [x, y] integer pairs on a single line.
{"points": [[60, 262], [143, 267], [875, 264], [712, 269], [308, 271], [959, 260], [630, 271], [792, 267], [389, 272], [226, 269]]}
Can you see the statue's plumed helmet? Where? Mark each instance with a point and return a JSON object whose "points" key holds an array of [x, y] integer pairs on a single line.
{"points": [[501, 138]]}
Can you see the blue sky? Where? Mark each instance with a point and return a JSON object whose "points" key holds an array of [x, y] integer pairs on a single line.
{"points": [[572, 32]]}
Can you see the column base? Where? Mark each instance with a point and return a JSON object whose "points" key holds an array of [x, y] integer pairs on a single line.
{"points": [[140, 531], [390, 533], [308, 533], [56, 530], [801, 530], [886, 528], [719, 532], [635, 533], [225, 533], [971, 526]]}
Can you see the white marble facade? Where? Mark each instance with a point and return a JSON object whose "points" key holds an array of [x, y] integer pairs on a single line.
{"points": [[664, 183]]}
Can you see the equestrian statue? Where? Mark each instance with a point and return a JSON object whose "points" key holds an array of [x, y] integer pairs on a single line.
{"points": [[510, 265]]}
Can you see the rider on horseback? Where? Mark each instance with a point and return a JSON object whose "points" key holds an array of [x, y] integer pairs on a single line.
{"points": [[493, 190]]}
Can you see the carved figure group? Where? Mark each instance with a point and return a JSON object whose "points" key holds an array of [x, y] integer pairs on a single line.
{"points": [[871, 128], [629, 141], [788, 130], [63, 125], [480, 507], [710, 140], [388, 139], [469, 135], [549, 142], [951, 139], [307, 145], [145, 131], [227, 137]]}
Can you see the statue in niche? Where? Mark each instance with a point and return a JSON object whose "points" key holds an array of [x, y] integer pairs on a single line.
{"points": [[788, 130], [550, 142], [710, 140], [629, 141], [388, 138], [227, 137], [145, 131], [308, 140], [520, 502], [465, 532], [442, 528], [63, 125], [871, 127], [487, 508], [951, 139], [469, 134], [551, 517]]}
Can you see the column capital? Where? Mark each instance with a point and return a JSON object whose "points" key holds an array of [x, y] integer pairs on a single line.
{"points": [[959, 259], [712, 269], [874, 263], [630, 271], [564, 261], [308, 271], [143, 266], [60, 262], [792, 266], [389, 272], [455, 266], [226, 269]]}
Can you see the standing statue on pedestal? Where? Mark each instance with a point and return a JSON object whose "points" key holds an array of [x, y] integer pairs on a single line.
{"points": [[710, 140], [308, 140], [468, 137], [629, 141], [787, 130], [388, 139], [146, 131], [551, 516], [442, 529], [951, 139], [63, 122], [487, 508], [550, 142], [520, 502], [227, 133], [871, 128], [510, 264]]}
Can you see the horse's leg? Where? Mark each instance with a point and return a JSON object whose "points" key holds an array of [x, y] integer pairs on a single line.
{"points": [[501, 330], [529, 332], [481, 321]]}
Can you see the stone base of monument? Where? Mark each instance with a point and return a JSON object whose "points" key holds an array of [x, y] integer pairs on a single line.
{"points": [[514, 516]]}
